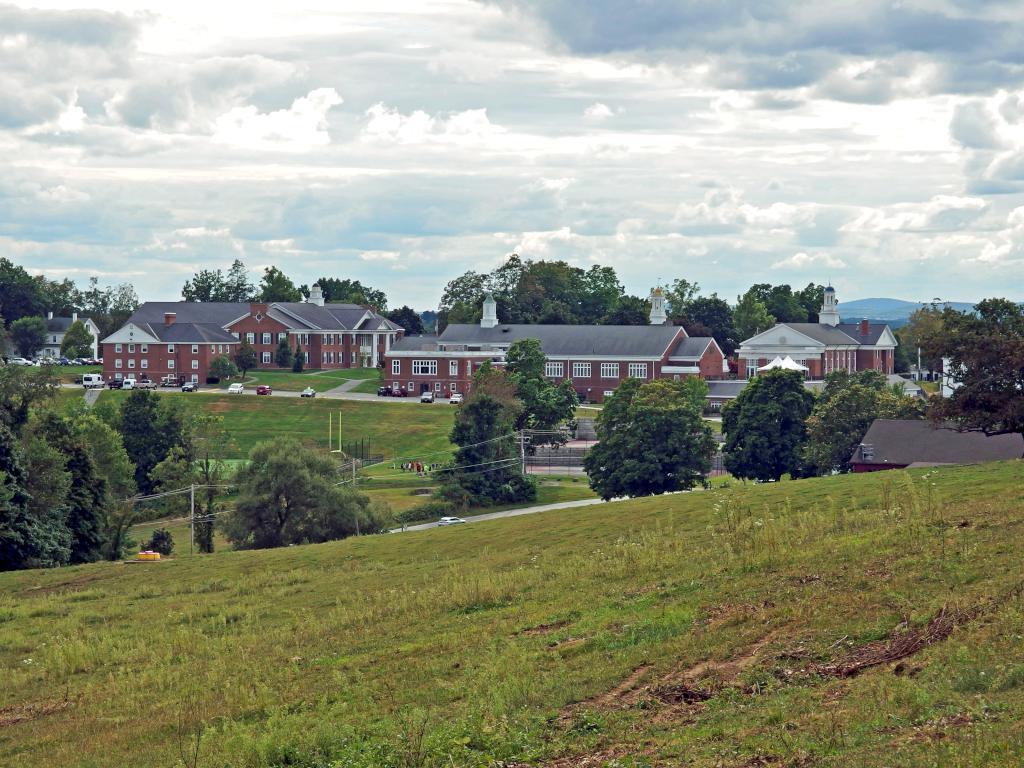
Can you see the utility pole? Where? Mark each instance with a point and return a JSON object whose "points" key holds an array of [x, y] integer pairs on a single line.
{"points": [[192, 517], [522, 452], [353, 488]]}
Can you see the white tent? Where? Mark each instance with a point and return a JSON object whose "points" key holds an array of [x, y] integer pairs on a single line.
{"points": [[785, 363]]}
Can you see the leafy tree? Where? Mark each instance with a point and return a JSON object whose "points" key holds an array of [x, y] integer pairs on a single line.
{"points": [[628, 310], [28, 335], [750, 317], [123, 302], [150, 428], [407, 318], [4, 338], [283, 356], [925, 331], [222, 367], [601, 295], [237, 287], [21, 295], [245, 358], [337, 291], [160, 541], [781, 302], [714, 314], [765, 426], [811, 298], [678, 297], [288, 494], [211, 443], [77, 341], [206, 285], [62, 297], [173, 473], [21, 389], [298, 359], [277, 286], [844, 411], [24, 541], [87, 501], [48, 485], [986, 352], [546, 406], [486, 470], [651, 440]]}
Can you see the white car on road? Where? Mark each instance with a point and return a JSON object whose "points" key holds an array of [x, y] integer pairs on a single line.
{"points": [[236, 389], [450, 521], [456, 398]]}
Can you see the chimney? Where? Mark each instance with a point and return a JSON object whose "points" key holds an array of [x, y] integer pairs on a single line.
{"points": [[865, 327], [169, 318], [49, 315], [74, 317]]}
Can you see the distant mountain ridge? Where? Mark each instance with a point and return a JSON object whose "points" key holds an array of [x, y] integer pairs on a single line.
{"points": [[893, 311]]}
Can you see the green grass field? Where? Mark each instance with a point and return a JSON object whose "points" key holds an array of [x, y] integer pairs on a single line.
{"points": [[392, 428], [321, 381], [860, 620]]}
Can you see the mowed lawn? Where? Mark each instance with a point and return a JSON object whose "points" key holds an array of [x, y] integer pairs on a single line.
{"points": [[706, 629], [321, 381], [391, 428]]}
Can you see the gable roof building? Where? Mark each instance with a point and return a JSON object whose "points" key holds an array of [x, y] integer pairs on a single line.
{"points": [[898, 443], [822, 347], [56, 327]]}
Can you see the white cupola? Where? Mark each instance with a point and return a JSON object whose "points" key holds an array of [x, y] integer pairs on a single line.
{"points": [[657, 298], [490, 317], [829, 314], [316, 296]]}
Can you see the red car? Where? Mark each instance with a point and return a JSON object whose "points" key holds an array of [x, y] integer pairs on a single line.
{"points": [[264, 389]]}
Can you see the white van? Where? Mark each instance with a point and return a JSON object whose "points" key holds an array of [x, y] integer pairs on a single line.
{"points": [[92, 381], [128, 384]]}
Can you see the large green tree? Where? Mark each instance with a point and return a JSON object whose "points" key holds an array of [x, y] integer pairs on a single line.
{"points": [[77, 341], [48, 485], [28, 335], [407, 318], [986, 353], [925, 331], [765, 426], [844, 411], [715, 314], [651, 440], [21, 295], [222, 368], [21, 389], [546, 406], [290, 494], [245, 358], [206, 285], [150, 428], [283, 355], [345, 291], [750, 317], [628, 310], [277, 286]]}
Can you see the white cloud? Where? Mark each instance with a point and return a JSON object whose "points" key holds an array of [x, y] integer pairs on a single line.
{"points": [[598, 112], [469, 127], [299, 128], [385, 256], [803, 261], [942, 212]]}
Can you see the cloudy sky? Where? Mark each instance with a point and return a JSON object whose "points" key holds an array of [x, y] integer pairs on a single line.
{"points": [[401, 142]]}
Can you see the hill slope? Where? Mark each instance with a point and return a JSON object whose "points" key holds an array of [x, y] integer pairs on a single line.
{"points": [[896, 311], [862, 620]]}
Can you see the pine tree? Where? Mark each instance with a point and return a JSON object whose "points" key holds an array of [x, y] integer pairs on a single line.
{"points": [[298, 360], [283, 356], [77, 341], [22, 538]]}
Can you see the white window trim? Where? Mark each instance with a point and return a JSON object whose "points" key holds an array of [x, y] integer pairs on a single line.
{"points": [[266, 338], [144, 363], [638, 370], [170, 349], [170, 364], [117, 348], [453, 367], [195, 365], [265, 358], [396, 367], [424, 367], [610, 370], [195, 349], [118, 363], [553, 370], [582, 370]]}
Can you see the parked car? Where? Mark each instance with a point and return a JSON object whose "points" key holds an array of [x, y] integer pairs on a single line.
{"points": [[171, 380], [427, 397], [20, 361], [92, 381], [236, 388], [456, 398], [383, 391], [307, 392], [145, 383], [115, 383], [264, 389], [450, 521], [188, 386], [400, 392]]}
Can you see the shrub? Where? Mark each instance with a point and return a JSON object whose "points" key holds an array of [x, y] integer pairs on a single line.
{"points": [[213, 379], [161, 541], [428, 511]]}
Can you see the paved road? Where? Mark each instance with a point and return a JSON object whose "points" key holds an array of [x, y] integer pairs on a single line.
{"points": [[338, 393], [516, 512]]}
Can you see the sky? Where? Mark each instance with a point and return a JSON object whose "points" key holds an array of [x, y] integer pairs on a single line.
{"points": [[875, 145]]}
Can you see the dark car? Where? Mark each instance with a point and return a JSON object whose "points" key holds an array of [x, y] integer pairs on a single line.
{"points": [[264, 389], [383, 391], [400, 392], [63, 361], [188, 386], [116, 383]]}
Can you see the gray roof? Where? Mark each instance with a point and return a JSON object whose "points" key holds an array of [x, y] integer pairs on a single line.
{"points": [[61, 324], [826, 334], [296, 315], [415, 344], [690, 348], [725, 389], [903, 442], [852, 330], [623, 341], [220, 313]]}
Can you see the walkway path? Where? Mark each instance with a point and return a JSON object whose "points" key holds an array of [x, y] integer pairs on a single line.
{"points": [[516, 512]]}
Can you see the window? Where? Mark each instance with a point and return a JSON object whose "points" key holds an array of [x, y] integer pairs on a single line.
{"points": [[54, 340], [250, 338], [144, 363], [451, 386], [131, 362], [323, 357], [638, 370], [330, 357], [117, 347], [396, 367], [131, 348], [195, 377], [195, 365], [469, 367], [751, 369], [354, 358], [170, 349], [281, 336], [305, 357], [609, 370], [195, 349], [304, 338], [170, 365], [394, 386], [144, 348], [118, 376], [266, 358], [554, 370], [410, 387], [220, 349], [581, 370], [453, 367], [118, 363], [266, 338], [437, 386], [424, 367], [236, 334]]}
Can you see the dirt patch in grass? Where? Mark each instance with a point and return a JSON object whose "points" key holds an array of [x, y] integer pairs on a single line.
{"points": [[543, 629], [20, 713], [595, 759], [76, 583]]}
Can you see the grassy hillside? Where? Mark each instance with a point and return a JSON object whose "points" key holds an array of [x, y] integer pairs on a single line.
{"points": [[393, 428], [871, 620]]}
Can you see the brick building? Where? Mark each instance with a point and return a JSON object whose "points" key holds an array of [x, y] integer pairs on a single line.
{"points": [[826, 346], [596, 358], [182, 338]]}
